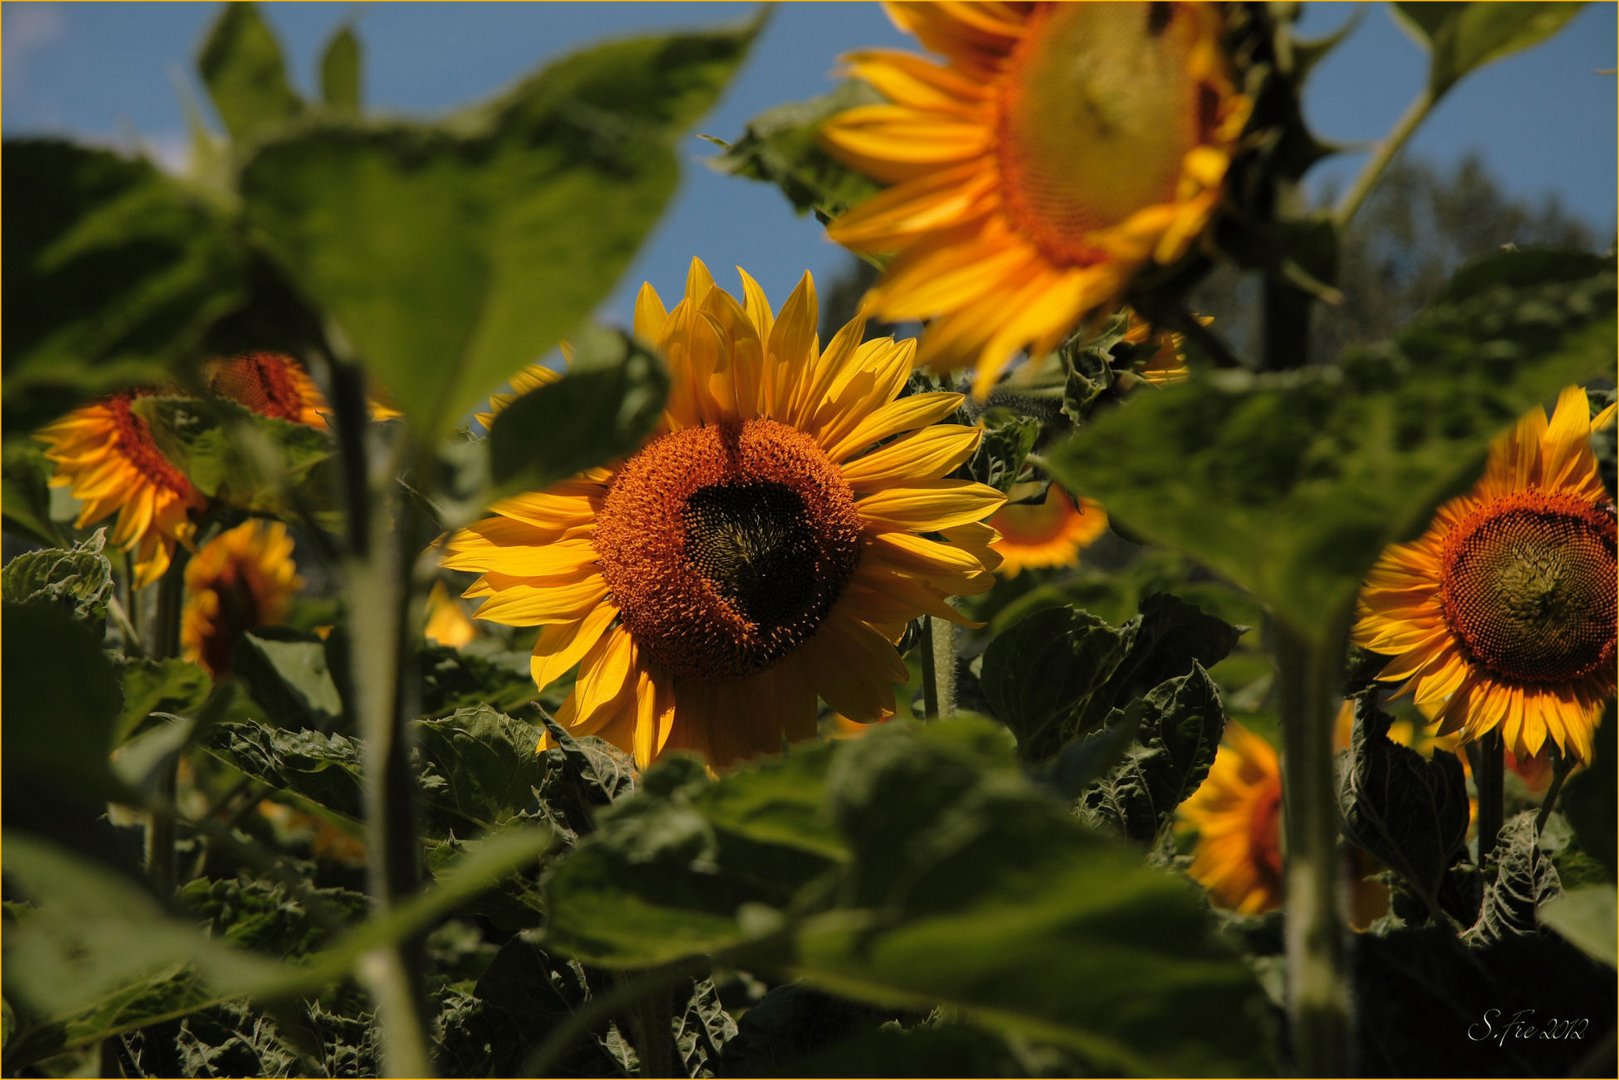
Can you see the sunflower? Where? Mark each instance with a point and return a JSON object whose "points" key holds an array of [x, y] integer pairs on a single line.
{"points": [[447, 624], [1501, 616], [1051, 532], [241, 579], [764, 548], [1060, 149], [1237, 813], [105, 455], [276, 385]]}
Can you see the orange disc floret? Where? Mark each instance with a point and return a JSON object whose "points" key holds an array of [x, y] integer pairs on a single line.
{"points": [[270, 384], [725, 547]]}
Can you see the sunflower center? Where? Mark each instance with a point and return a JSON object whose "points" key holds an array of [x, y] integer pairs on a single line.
{"points": [[261, 381], [137, 446], [725, 547], [1096, 120], [1527, 583]]}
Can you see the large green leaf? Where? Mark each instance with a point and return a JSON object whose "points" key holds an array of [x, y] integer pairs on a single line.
{"points": [[1290, 484], [246, 75], [113, 273], [449, 256], [1462, 37], [913, 867], [1586, 916]]}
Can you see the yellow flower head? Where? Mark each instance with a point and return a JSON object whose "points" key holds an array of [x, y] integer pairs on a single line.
{"points": [[1051, 532], [1237, 813], [105, 455], [1059, 150], [241, 579], [1501, 616], [764, 548]]}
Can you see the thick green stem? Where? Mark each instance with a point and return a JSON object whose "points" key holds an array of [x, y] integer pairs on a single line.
{"points": [[377, 588], [938, 668], [1318, 1000], [654, 1037], [1391, 145], [1490, 776]]}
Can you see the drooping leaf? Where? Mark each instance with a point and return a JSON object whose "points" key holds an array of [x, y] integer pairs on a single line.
{"points": [[448, 256], [601, 409], [1291, 484], [26, 498], [1586, 918], [782, 146], [78, 580], [1061, 673], [323, 768], [1176, 730], [113, 273], [1462, 37], [1408, 810], [246, 75], [340, 71], [1525, 878], [1008, 438]]}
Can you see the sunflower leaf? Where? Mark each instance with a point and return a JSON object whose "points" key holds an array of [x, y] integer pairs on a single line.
{"points": [[1290, 484], [114, 274], [1409, 811], [152, 686], [601, 409], [1590, 796], [246, 75], [340, 71], [1585, 917], [782, 146], [1462, 37], [916, 865], [1176, 731], [78, 579], [448, 255], [1524, 880], [289, 675], [27, 494], [1061, 674]]}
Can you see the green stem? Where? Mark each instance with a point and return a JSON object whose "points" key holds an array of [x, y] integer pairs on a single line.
{"points": [[379, 596], [1402, 131], [1492, 794], [1563, 766], [654, 1037], [164, 645], [938, 668], [1318, 1000]]}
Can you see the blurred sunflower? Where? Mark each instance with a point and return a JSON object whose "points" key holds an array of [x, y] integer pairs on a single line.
{"points": [[1501, 616], [1051, 532], [1237, 813], [241, 579], [1061, 149], [447, 624], [276, 385], [105, 455], [759, 551]]}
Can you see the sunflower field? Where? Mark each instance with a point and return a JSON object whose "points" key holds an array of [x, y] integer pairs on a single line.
{"points": [[1009, 670]]}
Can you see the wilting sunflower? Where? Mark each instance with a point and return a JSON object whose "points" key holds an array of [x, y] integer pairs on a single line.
{"points": [[766, 546], [1051, 532], [1501, 616], [1237, 813], [276, 385], [105, 455], [1059, 150], [241, 579]]}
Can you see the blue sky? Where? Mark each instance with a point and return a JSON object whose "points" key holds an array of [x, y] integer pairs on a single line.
{"points": [[1544, 121]]}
